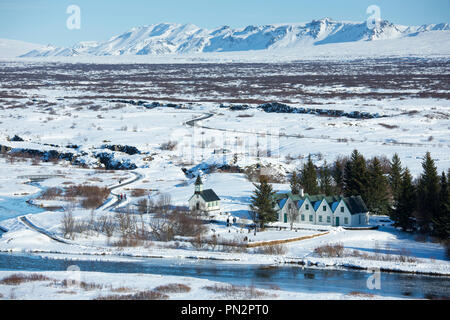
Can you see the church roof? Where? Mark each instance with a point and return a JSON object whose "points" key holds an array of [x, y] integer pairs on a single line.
{"points": [[209, 195], [199, 180]]}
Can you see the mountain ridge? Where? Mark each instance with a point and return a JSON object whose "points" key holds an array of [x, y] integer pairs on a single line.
{"points": [[174, 38]]}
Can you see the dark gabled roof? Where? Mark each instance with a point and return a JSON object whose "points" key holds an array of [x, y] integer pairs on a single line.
{"points": [[209, 195], [355, 204]]}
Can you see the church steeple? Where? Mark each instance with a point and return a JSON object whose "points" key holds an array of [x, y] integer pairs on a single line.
{"points": [[198, 185]]}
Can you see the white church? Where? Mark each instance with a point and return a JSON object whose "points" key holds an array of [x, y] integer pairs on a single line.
{"points": [[203, 200]]}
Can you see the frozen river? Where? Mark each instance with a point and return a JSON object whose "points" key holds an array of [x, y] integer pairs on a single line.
{"points": [[289, 278], [14, 207]]}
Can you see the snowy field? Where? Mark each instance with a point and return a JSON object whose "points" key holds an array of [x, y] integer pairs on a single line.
{"points": [[95, 285], [77, 114]]}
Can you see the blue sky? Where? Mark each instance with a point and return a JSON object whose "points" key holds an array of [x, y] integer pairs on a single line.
{"points": [[44, 21]]}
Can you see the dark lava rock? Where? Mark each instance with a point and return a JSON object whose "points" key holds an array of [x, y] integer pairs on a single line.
{"points": [[107, 159], [16, 138], [126, 149]]}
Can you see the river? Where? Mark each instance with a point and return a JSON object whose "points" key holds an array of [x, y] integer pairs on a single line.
{"points": [[289, 278]]}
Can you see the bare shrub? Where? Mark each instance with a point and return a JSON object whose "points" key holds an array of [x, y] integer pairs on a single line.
{"points": [[144, 206], [199, 243], [142, 295], [187, 224], [163, 204], [51, 193], [277, 249], [127, 224], [233, 245], [94, 196], [404, 256], [237, 291], [173, 288], [361, 294], [138, 192], [81, 284], [128, 242], [106, 225], [68, 225], [16, 279], [121, 289], [330, 250]]}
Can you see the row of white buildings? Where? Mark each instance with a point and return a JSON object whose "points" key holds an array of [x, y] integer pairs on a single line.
{"points": [[302, 208], [321, 210]]}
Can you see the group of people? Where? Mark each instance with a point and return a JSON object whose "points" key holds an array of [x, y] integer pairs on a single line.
{"points": [[122, 196]]}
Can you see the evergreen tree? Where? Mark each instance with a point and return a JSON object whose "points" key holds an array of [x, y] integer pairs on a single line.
{"points": [[326, 183], [355, 176], [338, 176], [262, 206], [377, 197], [295, 183], [406, 202], [395, 177], [441, 224], [428, 193], [308, 177]]}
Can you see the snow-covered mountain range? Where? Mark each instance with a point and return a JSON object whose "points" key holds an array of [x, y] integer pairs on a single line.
{"points": [[166, 38]]}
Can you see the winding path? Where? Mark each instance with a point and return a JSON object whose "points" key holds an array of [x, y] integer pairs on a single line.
{"points": [[115, 202], [46, 233], [192, 123], [107, 206]]}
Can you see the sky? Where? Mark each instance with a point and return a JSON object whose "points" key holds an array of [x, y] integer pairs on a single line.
{"points": [[45, 21]]}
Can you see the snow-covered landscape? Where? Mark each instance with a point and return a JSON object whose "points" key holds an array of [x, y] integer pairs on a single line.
{"points": [[103, 143]]}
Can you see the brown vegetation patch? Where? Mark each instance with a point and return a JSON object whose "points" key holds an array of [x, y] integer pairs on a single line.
{"points": [[142, 295], [237, 291], [330, 250], [16, 279], [361, 294], [173, 288]]}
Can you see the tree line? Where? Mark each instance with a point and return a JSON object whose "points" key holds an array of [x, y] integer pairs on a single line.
{"points": [[386, 186]]}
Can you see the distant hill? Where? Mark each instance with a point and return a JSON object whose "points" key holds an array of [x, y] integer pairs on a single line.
{"points": [[172, 38]]}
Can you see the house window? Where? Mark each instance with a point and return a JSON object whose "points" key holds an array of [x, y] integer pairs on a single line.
{"points": [[324, 208], [303, 217], [342, 209], [346, 220], [328, 219], [320, 218], [307, 206], [311, 218]]}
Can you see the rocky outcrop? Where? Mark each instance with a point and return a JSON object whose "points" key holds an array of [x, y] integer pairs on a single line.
{"points": [[110, 163], [16, 138], [275, 107], [126, 149], [149, 105]]}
